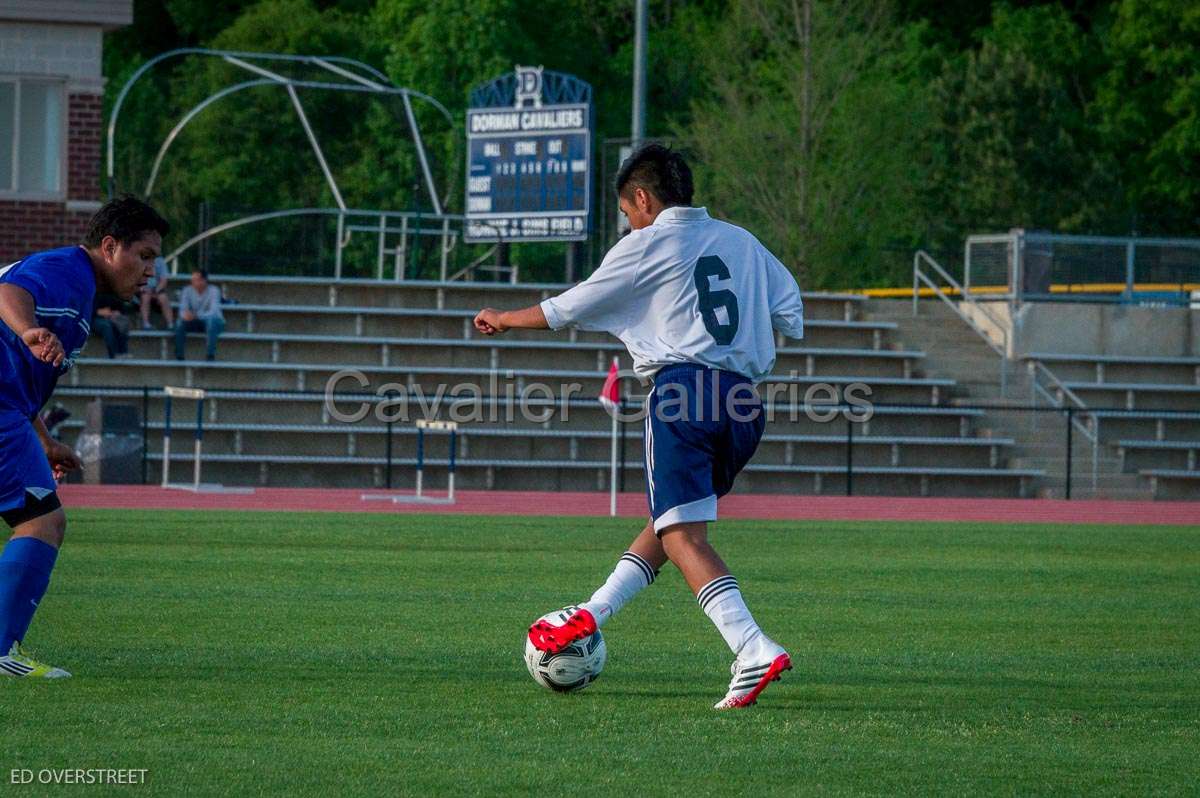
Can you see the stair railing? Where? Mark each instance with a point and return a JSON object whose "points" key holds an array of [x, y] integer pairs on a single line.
{"points": [[920, 276], [1057, 394]]}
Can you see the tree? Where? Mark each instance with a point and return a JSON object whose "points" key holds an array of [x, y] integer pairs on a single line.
{"points": [[842, 132], [809, 138], [1148, 107], [435, 46], [1012, 144]]}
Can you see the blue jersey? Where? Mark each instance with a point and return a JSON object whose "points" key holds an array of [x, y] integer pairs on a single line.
{"points": [[63, 285]]}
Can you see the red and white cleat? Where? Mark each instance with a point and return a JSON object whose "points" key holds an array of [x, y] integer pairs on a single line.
{"points": [[751, 678], [552, 639]]}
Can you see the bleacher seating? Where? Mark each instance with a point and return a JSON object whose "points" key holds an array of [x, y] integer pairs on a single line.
{"points": [[1166, 483], [1160, 439], [266, 422]]}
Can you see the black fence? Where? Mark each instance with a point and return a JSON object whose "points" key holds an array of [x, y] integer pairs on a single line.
{"points": [[1065, 447]]}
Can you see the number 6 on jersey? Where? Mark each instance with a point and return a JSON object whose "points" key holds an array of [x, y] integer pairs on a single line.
{"points": [[712, 300]]}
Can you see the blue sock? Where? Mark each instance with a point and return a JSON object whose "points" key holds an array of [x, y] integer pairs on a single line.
{"points": [[25, 567]]}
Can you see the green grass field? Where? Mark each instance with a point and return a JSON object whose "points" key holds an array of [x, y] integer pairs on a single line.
{"points": [[262, 653]]}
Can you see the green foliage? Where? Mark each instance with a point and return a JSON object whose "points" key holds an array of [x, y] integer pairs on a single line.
{"points": [[827, 178], [1149, 106], [923, 122], [203, 20], [1011, 141]]}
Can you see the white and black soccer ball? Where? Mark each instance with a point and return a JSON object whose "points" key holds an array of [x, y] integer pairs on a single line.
{"points": [[573, 668]]}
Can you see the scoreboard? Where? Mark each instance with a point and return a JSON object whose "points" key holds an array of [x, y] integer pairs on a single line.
{"points": [[528, 173]]}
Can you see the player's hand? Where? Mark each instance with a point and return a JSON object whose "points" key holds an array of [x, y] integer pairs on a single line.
{"points": [[44, 344], [63, 459], [487, 321]]}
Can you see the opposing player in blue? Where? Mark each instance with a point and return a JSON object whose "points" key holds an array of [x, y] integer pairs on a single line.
{"points": [[697, 302], [45, 310]]}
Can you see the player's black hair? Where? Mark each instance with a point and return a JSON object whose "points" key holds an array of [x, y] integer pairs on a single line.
{"points": [[126, 219], [202, 272], [659, 170]]}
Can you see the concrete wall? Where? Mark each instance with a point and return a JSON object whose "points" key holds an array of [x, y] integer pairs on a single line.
{"points": [[992, 317], [109, 13], [1086, 329], [70, 55], [1107, 330], [1096, 329], [63, 51]]}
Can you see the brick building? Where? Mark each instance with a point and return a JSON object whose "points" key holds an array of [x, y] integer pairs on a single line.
{"points": [[51, 130]]}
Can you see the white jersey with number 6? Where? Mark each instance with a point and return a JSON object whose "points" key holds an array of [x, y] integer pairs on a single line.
{"points": [[688, 289]]}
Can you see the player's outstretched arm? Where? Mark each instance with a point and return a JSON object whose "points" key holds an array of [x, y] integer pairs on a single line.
{"points": [[601, 302], [63, 459], [490, 321], [19, 312]]}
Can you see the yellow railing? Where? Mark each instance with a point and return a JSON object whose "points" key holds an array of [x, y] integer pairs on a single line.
{"points": [[1069, 288]]}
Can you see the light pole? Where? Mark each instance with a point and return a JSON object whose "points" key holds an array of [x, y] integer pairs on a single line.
{"points": [[639, 74]]}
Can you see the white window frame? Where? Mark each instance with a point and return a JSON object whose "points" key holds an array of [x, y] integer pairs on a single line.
{"points": [[59, 194]]}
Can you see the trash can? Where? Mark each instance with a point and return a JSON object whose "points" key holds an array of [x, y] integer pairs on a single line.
{"points": [[111, 445]]}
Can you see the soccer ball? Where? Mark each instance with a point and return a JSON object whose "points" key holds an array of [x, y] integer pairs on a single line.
{"points": [[573, 668]]}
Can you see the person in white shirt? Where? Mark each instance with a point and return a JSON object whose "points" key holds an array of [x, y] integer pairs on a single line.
{"points": [[696, 301], [156, 291]]}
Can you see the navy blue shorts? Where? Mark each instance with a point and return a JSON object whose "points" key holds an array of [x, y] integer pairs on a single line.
{"points": [[25, 473], [702, 427]]}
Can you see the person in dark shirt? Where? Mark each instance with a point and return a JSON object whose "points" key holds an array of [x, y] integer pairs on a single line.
{"points": [[112, 322]]}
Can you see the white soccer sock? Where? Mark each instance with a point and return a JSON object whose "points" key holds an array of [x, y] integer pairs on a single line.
{"points": [[631, 575], [722, 602]]}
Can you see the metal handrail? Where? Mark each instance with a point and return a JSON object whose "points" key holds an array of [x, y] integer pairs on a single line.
{"points": [[470, 267], [448, 230], [1090, 430], [1036, 367], [344, 231], [919, 277], [327, 62]]}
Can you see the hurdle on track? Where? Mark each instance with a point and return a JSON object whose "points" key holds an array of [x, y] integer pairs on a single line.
{"points": [[423, 426], [170, 393]]}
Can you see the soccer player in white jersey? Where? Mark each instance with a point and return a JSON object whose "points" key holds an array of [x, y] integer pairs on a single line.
{"points": [[696, 301]]}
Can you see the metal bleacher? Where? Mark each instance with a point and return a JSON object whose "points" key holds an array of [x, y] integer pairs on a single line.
{"points": [[267, 422], [1154, 421]]}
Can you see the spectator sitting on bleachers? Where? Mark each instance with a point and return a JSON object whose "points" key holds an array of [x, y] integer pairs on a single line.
{"points": [[199, 311], [156, 291], [110, 321]]}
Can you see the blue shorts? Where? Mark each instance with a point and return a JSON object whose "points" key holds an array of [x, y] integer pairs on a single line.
{"points": [[24, 468], [702, 427]]}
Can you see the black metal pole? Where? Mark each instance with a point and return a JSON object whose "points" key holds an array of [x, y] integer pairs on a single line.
{"points": [[388, 449], [145, 433], [849, 455], [1070, 448], [621, 480]]}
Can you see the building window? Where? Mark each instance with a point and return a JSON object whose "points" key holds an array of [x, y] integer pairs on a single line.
{"points": [[31, 138]]}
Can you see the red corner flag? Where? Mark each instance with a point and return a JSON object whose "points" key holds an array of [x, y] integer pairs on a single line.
{"points": [[610, 394], [610, 397]]}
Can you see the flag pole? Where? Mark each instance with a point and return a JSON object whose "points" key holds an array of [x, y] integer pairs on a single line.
{"points": [[612, 477]]}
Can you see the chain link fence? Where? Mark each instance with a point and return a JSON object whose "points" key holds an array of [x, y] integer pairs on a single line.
{"points": [[1031, 266]]}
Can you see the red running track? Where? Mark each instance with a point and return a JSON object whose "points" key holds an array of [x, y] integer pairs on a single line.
{"points": [[633, 505]]}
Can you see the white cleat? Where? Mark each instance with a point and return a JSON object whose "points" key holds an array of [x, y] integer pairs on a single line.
{"points": [[20, 665], [752, 677]]}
